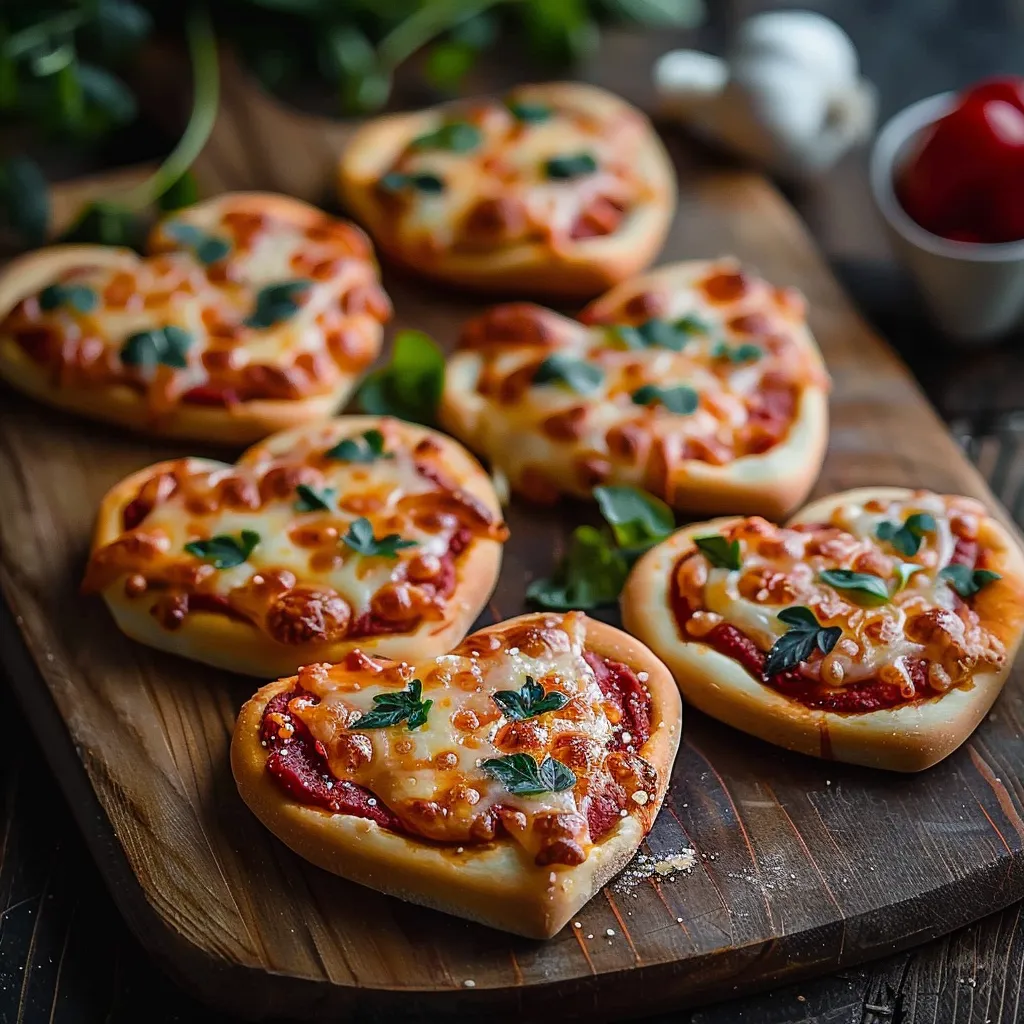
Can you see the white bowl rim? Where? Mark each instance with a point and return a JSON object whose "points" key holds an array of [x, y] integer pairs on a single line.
{"points": [[888, 144]]}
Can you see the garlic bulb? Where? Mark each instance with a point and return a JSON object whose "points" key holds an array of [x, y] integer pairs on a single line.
{"points": [[789, 94]]}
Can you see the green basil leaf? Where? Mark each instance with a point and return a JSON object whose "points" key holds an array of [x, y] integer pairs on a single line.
{"points": [[75, 296], [276, 303], [967, 581], [591, 574], [360, 538], [410, 386], [868, 589], [168, 345], [368, 447], [225, 551], [394, 708], [310, 501], [681, 400], [25, 199], [183, 192], [528, 701], [904, 570], [804, 636], [563, 168], [448, 63], [745, 353], [722, 554], [529, 113], [107, 224], [637, 519], [520, 774], [107, 93], [395, 181], [455, 136], [906, 538], [572, 373]]}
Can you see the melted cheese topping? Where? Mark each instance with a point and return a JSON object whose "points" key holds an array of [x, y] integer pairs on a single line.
{"points": [[331, 330], [572, 439], [498, 192], [432, 777], [301, 552], [922, 619]]}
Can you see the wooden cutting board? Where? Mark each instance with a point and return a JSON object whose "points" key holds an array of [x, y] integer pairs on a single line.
{"points": [[801, 867]]}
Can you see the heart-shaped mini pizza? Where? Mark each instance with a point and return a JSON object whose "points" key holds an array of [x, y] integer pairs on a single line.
{"points": [[877, 627], [252, 313], [505, 781], [559, 189], [698, 382], [360, 532]]}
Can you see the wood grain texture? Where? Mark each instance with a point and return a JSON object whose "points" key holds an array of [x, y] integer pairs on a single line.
{"points": [[802, 866]]}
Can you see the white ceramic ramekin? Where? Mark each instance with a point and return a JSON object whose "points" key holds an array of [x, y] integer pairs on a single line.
{"points": [[974, 292]]}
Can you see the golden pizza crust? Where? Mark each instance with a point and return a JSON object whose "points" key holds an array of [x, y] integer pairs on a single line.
{"points": [[907, 739], [238, 646], [497, 884], [578, 269], [116, 403], [771, 484]]}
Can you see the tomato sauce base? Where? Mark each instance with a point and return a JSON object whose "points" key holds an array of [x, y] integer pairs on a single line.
{"points": [[299, 763], [856, 698]]}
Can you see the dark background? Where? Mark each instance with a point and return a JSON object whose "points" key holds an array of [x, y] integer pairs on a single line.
{"points": [[66, 956]]}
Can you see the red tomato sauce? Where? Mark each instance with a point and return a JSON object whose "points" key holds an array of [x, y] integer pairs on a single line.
{"points": [[299, 763], [300, 768], [867, 695]]}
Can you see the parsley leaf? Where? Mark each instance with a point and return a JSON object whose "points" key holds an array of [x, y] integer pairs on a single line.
{"points": [[528, 701], [393, 708], [529, 113], [660, 333], [166, 345], [906, 539], [573, 373], [455, 136], [410, 386], [866, 588], [276, 303], [591, 574], [804, 636], [368, 447], [225, 551], [520, 774], [637, 519], [967, 581], [562, 168], [310, 501], [681, 400], [722, 554], [423, 182], [745, 353], [360, 538], [75, 296]]}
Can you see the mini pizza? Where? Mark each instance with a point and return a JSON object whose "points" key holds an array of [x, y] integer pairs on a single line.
{"points": [[361, 532], [505, 781], [558, 189], [252, 313], [877, 627], [697, 382]]}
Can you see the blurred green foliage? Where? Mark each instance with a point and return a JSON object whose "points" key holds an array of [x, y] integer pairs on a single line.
{"points": [[61, 63]]}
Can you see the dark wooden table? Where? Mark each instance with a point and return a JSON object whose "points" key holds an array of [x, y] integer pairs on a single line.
{"points": [[65, 955]]}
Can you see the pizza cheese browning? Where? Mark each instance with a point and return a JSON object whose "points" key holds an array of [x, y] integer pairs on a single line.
{"points": [[869, 604], [530, 742], [251, 312], [364, 530], [557, 189], [697, 382]]}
